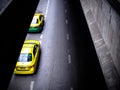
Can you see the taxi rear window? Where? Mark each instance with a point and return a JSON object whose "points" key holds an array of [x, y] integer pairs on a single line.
{"points": [[25, 57]]}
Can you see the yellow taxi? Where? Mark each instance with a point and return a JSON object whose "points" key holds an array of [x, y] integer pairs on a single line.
{"points": [[28, 58], [37, 23]]}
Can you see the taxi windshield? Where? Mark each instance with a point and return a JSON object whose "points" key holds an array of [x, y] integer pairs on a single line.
{"points": [[25, 57], [34, 21]]}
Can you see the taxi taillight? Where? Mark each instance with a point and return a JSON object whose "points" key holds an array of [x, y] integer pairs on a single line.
{"points": [[31, 66]]}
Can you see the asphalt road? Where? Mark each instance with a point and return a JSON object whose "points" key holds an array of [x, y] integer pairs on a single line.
{"points": [[62, 65], [56, 67]]}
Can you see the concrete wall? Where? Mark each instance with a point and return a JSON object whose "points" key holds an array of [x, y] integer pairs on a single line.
{"points": [[104, 25]]}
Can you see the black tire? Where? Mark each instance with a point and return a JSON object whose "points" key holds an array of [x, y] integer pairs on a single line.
{"points": [[38, 62]]}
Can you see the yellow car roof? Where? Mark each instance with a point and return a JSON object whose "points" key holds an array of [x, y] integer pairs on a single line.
{"points": [[30, 41], [27, 48], [37, 14]]}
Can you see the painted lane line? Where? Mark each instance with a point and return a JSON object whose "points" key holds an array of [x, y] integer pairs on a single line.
{"points": [[46, 13], [66, 21], [31, 85], [41, 36], [71, 88], [68, 37], [65, 10], [69, 58], [98, 40], [47, 9], [107, 53]]}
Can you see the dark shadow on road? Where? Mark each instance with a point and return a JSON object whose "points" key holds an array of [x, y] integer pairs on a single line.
{"points": [[90, 75]]}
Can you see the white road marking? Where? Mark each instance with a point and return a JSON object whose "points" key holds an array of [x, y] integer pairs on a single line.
{"points": [[65, 2], [31, 85], [68, 37], [69, 58], [107, 53], [41, 36], [65, 10], [66, 21], [71, 88], [47, 9], [101, 46], [98, 40]]}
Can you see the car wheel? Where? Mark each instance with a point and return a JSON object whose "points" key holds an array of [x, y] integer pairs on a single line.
{"points": [[38, 62], [43, 23]]}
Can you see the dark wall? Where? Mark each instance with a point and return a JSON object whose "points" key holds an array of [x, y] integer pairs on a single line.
{"points": [[103, 19], [14, 22]]}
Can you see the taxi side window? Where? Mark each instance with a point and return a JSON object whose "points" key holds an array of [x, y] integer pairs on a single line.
{"points": [[35, 48], [37, 21], [40, 18]]}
